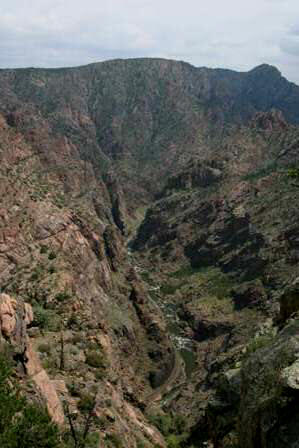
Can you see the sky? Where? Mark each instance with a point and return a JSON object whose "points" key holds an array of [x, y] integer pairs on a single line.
{"points": [[231, 34]]}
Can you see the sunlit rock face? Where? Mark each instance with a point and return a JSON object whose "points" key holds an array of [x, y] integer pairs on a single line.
{"points": [[15, 316]]}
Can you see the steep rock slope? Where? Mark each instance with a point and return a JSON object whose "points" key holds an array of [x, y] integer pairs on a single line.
{"points": [[221, 238], [159, 331], [142, 116], [235, 209], [92, 327]]}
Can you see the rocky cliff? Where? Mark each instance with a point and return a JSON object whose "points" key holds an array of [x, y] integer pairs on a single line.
{"points": [[143, 116], [148, 249], [62, 253]]}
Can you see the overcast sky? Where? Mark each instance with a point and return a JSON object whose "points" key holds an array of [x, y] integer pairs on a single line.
{"points": [[215, 33]]}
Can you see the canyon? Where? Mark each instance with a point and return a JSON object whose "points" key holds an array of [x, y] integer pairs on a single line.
{"points": [[149, 248]]}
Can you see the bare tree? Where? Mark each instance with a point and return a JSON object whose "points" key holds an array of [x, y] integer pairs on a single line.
{"points": [[79, 431], [61, 364]]}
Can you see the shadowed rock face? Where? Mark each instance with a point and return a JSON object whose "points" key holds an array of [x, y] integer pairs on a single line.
{"points": [[272, 421]]}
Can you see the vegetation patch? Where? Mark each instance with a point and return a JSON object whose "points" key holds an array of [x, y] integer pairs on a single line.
{"points": [[22, 425], [266, 170], [113, 440], [62, 296], [258, 343], [96, 359], [173, 428], [185, 271]]}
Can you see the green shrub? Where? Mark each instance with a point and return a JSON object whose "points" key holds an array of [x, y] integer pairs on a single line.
{"points": [[257, 343], [62, 296], [45, 319], [173, 441], [73, 321], [86, 402], [173, 428], [50, 364], [91, 346], [52, 255], [22, 425], [293, 173], [163, 422], [44, 348], [73, 389], [95, 359], [219, 284], [77, 338], [100, 374], [52, 269], [145, 276], [185, 271], [44, 249], [168, 289], [92, 440], [37, 273], [41, 317], [114, 440], [102, 422], [74, 350]]}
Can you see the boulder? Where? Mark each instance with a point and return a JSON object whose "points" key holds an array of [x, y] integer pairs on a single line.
{"points": [[290, 376]]}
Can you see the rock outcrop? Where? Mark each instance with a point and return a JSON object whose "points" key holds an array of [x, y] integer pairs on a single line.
{"points": [[15, 316]]}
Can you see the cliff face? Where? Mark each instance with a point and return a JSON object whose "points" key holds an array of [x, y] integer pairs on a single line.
{"points": [[230, 221], [167, 321], [62, 253], [142, 116], [235, 209], [15, 316]]}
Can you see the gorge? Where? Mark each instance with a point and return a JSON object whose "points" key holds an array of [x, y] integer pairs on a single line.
{"points": [[149, 248]]}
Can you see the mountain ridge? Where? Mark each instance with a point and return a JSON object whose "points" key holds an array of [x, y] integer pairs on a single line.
{"points": [[142, 112], [157, 59]]}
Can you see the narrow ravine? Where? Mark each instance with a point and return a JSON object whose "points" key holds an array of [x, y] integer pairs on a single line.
{"points": [[184, 363]]}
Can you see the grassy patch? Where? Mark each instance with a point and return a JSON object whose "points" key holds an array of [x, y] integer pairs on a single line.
{"points": [[169, 289], [217, 283], [214, 306], [185, 271], [258, 343], [202, 282]]}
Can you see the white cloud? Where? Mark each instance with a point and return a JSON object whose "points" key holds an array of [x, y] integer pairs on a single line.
{"points": [[216, 33]]}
